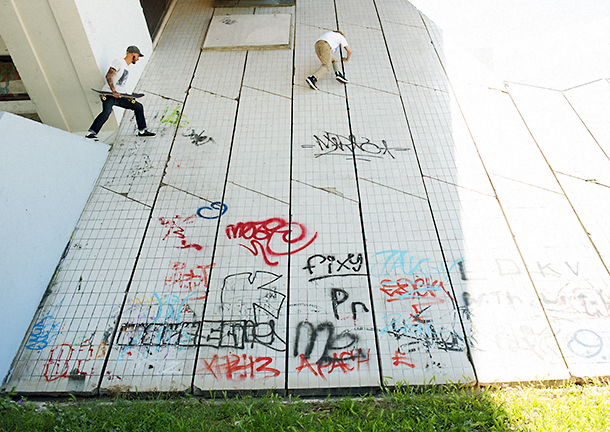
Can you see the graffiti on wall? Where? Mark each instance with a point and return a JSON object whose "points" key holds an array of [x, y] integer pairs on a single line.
{"points": [[191, 279], [332, 144], [174, 229], [43, 333], [402, 261], [326, 266], [270, 238], [70, 361], [173, 118], [213, 211], [335, 343], [198, 139], [249, 310]]}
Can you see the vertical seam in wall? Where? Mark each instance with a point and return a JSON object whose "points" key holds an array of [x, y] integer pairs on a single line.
{"points": [[361, 215], [584, 124], [455, 303], [575, 214], [289, 274], [463, 326], [145, 233], [224, 192]]}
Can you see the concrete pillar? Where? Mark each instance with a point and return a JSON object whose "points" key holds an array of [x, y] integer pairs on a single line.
{"points": [[63, 48]]}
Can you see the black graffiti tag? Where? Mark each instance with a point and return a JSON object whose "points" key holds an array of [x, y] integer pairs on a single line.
{"points": [[335, 144]]}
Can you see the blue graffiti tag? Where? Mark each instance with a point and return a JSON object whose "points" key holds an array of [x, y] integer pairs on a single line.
{"points": [[43, 333], [586, 343], [211, 208], [396, 261]]}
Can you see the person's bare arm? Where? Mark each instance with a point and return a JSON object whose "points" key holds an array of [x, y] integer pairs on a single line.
{"points": [[109, 76], [349, 54]]}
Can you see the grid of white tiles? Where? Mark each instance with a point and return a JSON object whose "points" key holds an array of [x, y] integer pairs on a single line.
{"points": [[361, 13], [332, 335], [511, 338], [156, 342], [412, 65], [170, 69], [158, 331], [81, 312], [400, 12], [201, 148], [522, 328], [136, 165], [500, 292], [316, 13], [374, 70], [571, 278], [422, 333], [244, 334], [65, 348], [592, 105], [184, 261]]}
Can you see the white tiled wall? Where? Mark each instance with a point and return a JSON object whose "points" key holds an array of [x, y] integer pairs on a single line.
{"points": [[410, 226]]}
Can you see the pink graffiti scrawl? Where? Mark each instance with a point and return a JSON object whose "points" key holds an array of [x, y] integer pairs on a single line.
{"points": [[265, 235]]}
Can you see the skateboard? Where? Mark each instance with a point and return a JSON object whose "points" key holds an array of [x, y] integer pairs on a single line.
{"points": [[132, 97]]}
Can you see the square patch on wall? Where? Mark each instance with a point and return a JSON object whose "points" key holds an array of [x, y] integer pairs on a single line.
{"points": [[252, 3], [240, 32]]}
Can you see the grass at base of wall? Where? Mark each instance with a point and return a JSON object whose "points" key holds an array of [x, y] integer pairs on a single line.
{"points": [[569, 408]]}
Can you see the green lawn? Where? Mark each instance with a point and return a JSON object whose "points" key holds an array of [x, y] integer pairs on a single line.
{"points": [[569, 408]]}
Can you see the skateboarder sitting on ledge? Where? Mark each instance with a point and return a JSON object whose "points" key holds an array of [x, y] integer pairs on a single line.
{"points": [[116, 80]]}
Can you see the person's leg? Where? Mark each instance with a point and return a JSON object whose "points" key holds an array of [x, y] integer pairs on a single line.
{"points": [[325, 56], [103, 116], [336, 64], [338, 72], [139, 111]]}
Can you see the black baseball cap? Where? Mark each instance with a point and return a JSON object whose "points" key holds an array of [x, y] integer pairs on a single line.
{"points": [[134, 49]]}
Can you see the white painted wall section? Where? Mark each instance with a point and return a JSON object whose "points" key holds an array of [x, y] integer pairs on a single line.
{"points": [[46, 177], [109, 39]]}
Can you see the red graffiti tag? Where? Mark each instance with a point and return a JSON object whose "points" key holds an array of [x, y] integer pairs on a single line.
{"points": [[402, 359], [266, 235], [420, 289], [238, 368], [60, 363], [174, 228], [189, 279], [345, 362]]}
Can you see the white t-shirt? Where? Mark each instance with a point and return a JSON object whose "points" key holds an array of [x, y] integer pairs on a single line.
{"points": [[119, 79], [334, 39]]}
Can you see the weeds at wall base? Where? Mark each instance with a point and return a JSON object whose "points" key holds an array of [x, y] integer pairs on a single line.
{"points": [[403, 408]]}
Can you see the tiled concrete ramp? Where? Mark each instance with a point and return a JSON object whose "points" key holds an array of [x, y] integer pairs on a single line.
{"points": [[423, 224]]}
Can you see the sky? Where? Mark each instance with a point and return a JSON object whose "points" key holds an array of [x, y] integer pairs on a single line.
{"points": [[557, 44]]}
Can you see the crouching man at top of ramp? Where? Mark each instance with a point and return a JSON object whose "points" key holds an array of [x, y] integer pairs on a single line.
{"points": [[325, 47]]}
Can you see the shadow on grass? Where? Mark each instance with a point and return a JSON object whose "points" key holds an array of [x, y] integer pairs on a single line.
{"points": [[403, 409]]}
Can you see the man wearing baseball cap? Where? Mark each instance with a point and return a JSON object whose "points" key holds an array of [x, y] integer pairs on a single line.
{"points": [[116, 81]]}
